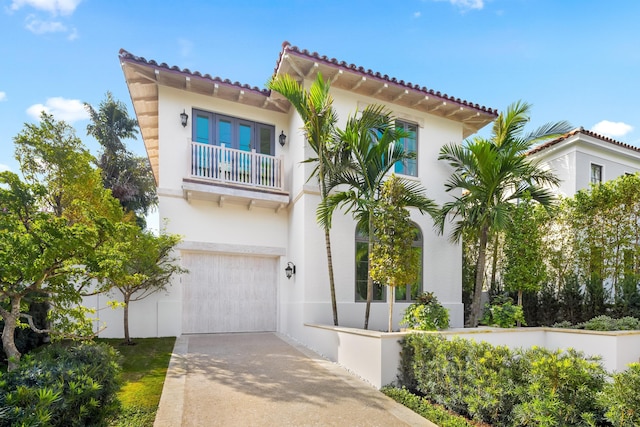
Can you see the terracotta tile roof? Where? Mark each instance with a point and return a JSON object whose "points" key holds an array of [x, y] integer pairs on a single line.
{"points": [[287, 47], [581, 130], [124, 55]]}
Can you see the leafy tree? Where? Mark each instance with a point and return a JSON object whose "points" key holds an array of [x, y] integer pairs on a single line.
{"points": [[139, 264], [491, 174], [129, 177], [370, 143], [525, 269], [394, 261], [50, 226], [315, 107]]}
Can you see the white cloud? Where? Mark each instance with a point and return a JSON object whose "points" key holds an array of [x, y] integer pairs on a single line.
{"points": [[4, 168], [69, 110], [613, 129], [55, 7], [416, 14], [3, 96], [37, 26], [465, 5], [73, 34]]}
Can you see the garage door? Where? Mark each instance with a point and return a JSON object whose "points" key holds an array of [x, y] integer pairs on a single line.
{"points": [[228, 293]]}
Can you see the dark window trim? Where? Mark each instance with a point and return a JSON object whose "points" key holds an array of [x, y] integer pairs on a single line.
{"points": [[405, 124], [214, 119]]}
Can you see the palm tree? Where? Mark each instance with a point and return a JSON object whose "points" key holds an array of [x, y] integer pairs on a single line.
{"points": [[372, 149], [129, 177], [315, 107], [491, 174]]}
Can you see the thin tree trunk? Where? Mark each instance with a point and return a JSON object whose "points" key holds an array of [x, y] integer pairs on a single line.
{"points": [[127, 299], [8, 334], [494, 262], [393, 298], [476, 309], [327, 239], [369, 279], [332, 284]]}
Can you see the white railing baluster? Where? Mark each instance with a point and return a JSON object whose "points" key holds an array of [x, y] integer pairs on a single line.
{"points": [[219, 163]]}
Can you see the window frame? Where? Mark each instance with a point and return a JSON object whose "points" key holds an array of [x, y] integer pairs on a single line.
{"points": [[235, 122], [403, 167], [593, 167]]}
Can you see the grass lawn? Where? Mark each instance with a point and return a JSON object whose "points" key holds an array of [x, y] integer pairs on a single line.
{"points": [[144, 367]]}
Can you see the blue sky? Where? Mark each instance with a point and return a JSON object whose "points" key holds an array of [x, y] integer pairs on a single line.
{"points": [[577, 60]]}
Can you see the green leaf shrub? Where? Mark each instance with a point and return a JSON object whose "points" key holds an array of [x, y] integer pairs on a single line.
{"points": [[426, 314], [422, 406], [503, 314], [621, 397], [506, 387], [62, 386], [604, 323]]}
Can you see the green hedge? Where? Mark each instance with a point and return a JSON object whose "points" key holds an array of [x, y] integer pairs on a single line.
{"points": [[62, 386], [505, 387]]}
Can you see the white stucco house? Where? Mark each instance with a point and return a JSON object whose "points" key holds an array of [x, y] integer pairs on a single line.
{"points": [[227, 160], [581, 158]]}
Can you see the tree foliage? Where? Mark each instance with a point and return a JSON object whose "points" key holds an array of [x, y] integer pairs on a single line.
{"points": [[370, 149], [138, 265], [319, 118], [525, 269], [50, 227], [492, 173], [129, 177], [394, 261]]}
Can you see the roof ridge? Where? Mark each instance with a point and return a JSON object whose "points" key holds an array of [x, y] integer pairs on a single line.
{"points": [[584, 131]]}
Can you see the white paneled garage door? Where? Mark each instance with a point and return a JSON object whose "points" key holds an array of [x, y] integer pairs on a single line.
{"points": [[228, 293]]}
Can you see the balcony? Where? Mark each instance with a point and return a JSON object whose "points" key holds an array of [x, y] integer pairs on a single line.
{"points": [[222, 174]]}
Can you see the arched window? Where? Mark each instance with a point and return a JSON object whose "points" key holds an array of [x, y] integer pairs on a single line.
{"points": [[406, 293]]}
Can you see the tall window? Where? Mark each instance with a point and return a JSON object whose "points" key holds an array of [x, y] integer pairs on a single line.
{"points": [[596, 173], [408, 166], [217, 129], [403, 293]]}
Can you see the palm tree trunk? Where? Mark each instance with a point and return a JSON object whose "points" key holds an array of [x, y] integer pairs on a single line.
{"points": [[369, 279], [476, 309], [332, 284], [327, 240], [494, 264], [393, 297]]}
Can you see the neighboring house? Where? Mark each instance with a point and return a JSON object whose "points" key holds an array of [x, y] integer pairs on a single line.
{"points": [[228, 163], [581, 158]]}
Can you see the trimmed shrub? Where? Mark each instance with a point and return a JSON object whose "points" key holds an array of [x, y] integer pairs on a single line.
{"points": [[62, 386], [504, 387], [426, 314], [621, 398], [604, 323], [422, 406]]}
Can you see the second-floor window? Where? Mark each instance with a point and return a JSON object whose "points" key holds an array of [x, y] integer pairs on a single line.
{"points": [[410, 144], [232, 132], [596, 174]]}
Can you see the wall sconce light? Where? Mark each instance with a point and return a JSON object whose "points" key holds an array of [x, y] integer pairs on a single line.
{"points": [[282, 138], [183, 119], [290, 270]]}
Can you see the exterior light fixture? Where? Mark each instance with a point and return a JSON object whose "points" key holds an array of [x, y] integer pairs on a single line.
{"points": [[290, 270], [282, 138], [183, 119]]}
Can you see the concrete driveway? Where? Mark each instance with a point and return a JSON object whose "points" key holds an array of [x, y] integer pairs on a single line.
{"points": [[265, 379]]}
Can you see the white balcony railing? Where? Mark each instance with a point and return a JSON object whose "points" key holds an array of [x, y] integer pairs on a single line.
{"points": [[228, 165]]}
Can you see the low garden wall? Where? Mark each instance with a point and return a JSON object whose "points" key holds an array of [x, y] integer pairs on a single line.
{"points": [[374, 356]]}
